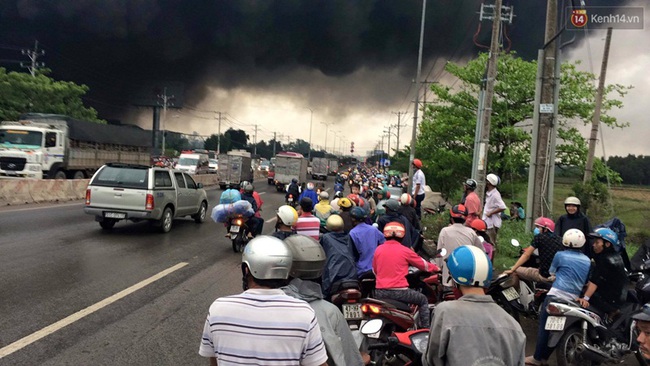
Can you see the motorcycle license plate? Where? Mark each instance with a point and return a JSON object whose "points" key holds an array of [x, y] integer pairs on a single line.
{"points": [[555, 323], [352, 311], [510, 293], [234, 229], [290, 199]]}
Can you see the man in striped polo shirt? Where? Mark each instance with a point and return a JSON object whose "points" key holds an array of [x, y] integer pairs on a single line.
{"points": [[307, 223], [262, 325]]}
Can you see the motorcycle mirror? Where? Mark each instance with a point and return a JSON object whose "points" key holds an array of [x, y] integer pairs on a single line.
{"points": [[372, 326], [375, 225], [514, 242], [442, 252], [480, 238]]}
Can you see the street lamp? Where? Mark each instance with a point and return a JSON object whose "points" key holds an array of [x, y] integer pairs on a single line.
{"points": [[326, 127], [311, 119]]}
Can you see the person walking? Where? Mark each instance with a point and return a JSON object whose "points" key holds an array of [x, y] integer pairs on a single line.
{"points": [[253, 325], [494, 205]]}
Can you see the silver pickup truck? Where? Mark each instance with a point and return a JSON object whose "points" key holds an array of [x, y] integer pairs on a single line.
{"points": [[138, 192]]}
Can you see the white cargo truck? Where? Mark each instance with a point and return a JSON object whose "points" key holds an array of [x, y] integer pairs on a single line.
{"points": [[319, 168], [59, 147], [234, 168], [333, 168], [288, 166]]}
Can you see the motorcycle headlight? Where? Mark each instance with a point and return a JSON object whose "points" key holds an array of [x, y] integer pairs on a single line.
{"points": [[420, 341]]}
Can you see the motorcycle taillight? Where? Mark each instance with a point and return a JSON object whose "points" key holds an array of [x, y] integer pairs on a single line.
{"points": [[370, 309], [553, 310], [238, 222], [351, 296]]}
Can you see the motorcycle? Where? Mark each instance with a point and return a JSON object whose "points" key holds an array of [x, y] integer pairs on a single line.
{"points": [[347, 297], [239, 233], [504, 294], [291, 201], [404, 348], [531, 294]]}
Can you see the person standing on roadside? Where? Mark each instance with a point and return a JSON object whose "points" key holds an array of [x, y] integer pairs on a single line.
{"points": [[471, 201], [419, 182], [494, 205]]}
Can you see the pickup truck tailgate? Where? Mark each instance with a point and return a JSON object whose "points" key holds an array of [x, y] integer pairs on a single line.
{"points": [[118, 198]]}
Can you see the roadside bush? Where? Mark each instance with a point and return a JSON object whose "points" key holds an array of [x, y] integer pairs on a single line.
{"points": [[507, 254]]}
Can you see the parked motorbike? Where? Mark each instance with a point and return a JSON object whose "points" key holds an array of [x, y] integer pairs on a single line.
{"points": [[505, 294], [239, 233], [400, 348]]}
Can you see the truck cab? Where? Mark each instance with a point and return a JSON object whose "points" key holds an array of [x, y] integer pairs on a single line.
{"points": [[27, 148], [193, 163]]}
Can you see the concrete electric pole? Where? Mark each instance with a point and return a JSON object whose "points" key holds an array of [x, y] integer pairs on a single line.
{"points": [[33, 55]]}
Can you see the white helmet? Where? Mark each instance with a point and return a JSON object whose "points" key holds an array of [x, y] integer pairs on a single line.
{"points": [[493, 179], [287, 215], [572, 201], [310, 186], [573, 238], [324, 195], [267, 258]]}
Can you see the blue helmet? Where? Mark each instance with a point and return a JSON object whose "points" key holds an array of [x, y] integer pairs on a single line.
{"points": [[358, 213], [607, 235], [470, 266]]}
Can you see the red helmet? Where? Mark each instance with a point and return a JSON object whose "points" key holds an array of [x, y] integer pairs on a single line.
{"points": [[394, 229], [479, 225], [417, 163], [355, 198], [545, 222], [458, 211]]}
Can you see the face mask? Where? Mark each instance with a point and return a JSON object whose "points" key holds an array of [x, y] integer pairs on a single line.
{"points": [[536, 231]]}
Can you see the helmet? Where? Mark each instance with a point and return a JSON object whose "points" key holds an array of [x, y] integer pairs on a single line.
{"points": [[294, 180], [405, 199], [358, 213], [493, 179], [243, 184], [345, 202], [607, 235], [248, 188], [470, 266], [310, 186], [287, 215], [354, 198], [459, 211], [324, 195], [394, 229], [267, 258], [573, 238], [338, 194], [479, 225], [308, 257], [391, 205], [545, 222], [471, 184], [334, 223], [572, 201], [417, 163]]}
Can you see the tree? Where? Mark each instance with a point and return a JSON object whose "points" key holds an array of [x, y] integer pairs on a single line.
{"points": [[446, 139], [22, 93], [238, 139], [299, 146]]}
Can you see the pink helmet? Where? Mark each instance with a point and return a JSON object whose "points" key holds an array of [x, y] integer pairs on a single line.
{"points": [[545, 222]]}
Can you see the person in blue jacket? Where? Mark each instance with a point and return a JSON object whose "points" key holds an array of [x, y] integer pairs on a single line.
{"points": [[311, 193]]}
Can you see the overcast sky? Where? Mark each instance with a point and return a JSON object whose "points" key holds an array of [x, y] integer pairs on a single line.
{"points": [[270, 62]]}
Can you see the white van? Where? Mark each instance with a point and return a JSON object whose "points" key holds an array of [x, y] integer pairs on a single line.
{"points": [[193, 163]]}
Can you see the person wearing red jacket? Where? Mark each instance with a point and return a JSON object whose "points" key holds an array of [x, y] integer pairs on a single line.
{"points": [[391, 265]]}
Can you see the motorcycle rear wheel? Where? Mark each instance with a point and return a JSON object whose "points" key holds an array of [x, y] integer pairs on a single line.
{"points": [[567, 354]]}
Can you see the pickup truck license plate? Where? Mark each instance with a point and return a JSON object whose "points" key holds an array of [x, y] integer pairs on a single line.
{"points": [[510, 293], [114, 215], [234, 229], [11, 172], [352, 311], [555, 323]]}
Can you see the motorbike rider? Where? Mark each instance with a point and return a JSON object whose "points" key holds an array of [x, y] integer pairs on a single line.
{"points": [[407, 210], [642, 320], [473, 330], [340, 264], [255, 223], [306, 268], [310, 193], [286, 217], [608, 282], [480, 228], [307, 223], [345, 205], [392, 214], [453, 236], [391, 265], [547, 244], [372, 204], [365, 239], [574, 219], [293, 190], [571, 269], [253, 324], [323, 209], [471, 201]]}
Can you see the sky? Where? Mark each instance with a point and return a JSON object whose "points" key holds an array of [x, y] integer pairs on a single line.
{"points": [[341, 66]]}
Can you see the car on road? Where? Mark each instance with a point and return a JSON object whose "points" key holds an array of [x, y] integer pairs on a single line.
{"points": [[137, 192], [213, 166], [264, 165]]}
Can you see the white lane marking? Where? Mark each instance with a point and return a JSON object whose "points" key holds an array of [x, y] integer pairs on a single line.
{"points": [[26, 341], [43, 207], [271, 219]]}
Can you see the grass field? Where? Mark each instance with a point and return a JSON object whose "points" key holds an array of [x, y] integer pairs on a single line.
{"points": [[629, 204]]}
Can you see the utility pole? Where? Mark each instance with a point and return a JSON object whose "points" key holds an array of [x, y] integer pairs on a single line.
{"points": [[425, 83], [388, 132], [326, 127], [595, 122], [399, 115], [33, 56], [219, 133], [414, 132], [484, 144], [255, 141], [274, 142], [166, 101]]}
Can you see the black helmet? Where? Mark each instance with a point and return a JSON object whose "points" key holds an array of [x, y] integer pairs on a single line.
{"points": [[391, 205], [471, 184], [358, 213], [294, 180]]}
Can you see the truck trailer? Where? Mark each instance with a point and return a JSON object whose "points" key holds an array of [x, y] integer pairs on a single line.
{"points": [[234, 168], [288, 166], [59, 147], [319, 168]]}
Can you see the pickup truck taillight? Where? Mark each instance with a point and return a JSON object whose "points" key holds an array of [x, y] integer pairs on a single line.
{"points": [[88, 196], [149, 203]]}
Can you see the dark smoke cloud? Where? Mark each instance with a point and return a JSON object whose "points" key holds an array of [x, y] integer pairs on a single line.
{"points": [[115, 45]]}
